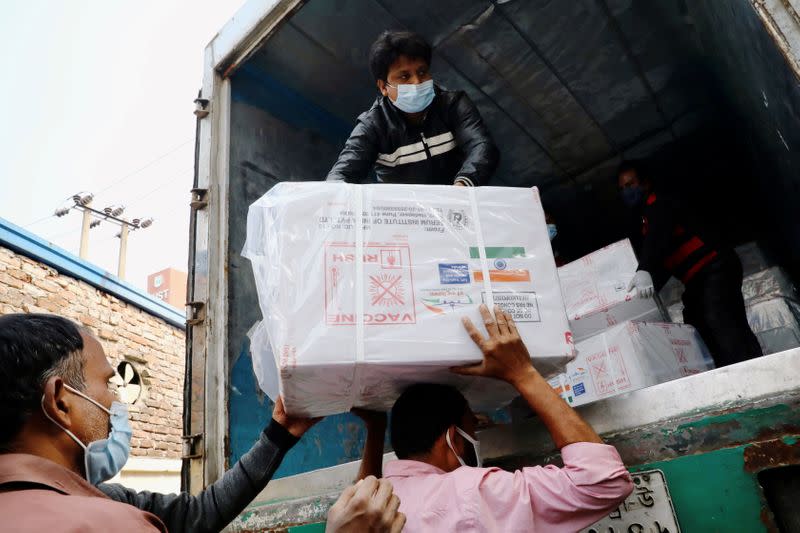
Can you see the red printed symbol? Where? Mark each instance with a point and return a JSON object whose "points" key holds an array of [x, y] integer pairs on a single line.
{"points": [[391, 259], [386, 289]]}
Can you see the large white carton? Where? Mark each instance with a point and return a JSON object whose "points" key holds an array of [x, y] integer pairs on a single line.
{"points": [[629, 357], [595, 291], [345, 332]]}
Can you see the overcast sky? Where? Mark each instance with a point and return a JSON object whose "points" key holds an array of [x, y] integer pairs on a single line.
{"points": [[97, 96]]}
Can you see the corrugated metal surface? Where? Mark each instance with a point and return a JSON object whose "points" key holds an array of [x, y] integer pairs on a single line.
{"points": [[558, 105]]}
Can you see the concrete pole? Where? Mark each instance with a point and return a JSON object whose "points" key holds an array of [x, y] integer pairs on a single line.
{"points": [[87, 220], [123, 250]]}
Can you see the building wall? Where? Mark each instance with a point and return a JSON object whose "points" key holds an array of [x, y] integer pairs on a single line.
{"points": [[172, 288], [154, 348]]}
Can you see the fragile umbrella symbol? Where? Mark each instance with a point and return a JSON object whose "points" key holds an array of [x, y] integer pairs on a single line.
{"points": [[386, 290]]}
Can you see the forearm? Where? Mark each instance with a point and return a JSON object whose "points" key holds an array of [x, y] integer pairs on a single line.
{"points": [[564, 423], [372, 459], [250, 475], [214, 507], [479, 164]]}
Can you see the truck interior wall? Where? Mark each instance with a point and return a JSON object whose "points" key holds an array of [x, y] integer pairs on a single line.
{"points": [[273, 138], [763, 92], [568, 89]]}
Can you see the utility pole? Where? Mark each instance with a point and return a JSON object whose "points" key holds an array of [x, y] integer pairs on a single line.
{"points": [[92, 218], [123, 251], [87, 220]]}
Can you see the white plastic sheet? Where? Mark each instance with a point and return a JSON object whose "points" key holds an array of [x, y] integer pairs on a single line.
{"points": [[776, 323], [629, 357], [595, 291], [767, 284], [350, 333]]}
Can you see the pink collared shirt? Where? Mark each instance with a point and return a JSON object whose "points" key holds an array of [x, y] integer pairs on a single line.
{"points": [[547, 499]]}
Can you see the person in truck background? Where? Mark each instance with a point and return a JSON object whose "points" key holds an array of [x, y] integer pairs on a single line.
{"points": [[415, 132], [676, 241]]}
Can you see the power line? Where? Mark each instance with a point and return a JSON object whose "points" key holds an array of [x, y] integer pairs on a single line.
{"points": [[28, 225], [44, 218], [166, 182], [123, 178], [62, 234], [148, 165]]}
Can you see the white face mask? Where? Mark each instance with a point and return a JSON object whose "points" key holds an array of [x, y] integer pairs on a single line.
{"points": [[476, 446]]}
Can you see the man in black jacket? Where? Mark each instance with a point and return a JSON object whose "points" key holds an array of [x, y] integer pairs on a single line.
{"points": [[415, 132], [676, 242]]}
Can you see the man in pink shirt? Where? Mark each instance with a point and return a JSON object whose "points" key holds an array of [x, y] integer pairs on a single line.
{"points": [[439, 478]]}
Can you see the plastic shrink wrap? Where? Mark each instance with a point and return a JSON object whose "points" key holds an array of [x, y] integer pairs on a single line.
{"points": [[595, 291], [338, 332], [776, 323], [629, 357]]}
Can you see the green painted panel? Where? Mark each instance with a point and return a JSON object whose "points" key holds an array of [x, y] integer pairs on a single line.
{"points": [[309, 528], [712, 492]]}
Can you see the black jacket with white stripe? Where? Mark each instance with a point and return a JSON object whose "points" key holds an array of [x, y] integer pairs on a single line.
{"points": [[452, 144]]}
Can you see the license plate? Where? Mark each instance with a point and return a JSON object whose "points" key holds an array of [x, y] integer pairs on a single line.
{"points": [[647, 510]]}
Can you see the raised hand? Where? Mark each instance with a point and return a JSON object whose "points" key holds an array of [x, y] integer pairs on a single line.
{"points": [[505, 356]]}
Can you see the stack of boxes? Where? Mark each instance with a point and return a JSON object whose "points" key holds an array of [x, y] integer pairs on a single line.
{"points": [[770, 299], [623, 343]]}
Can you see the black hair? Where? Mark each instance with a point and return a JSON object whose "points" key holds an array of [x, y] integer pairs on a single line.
{"points": [[637, 165], [392, 44], [33, 348], [422, 414]]}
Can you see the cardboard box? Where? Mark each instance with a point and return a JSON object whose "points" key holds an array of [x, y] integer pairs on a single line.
{"points": [[595, 291], [422, 271], [776, 323], [629, 357]]}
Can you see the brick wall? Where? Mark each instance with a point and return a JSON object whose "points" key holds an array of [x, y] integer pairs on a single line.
{"points": [[154, 347]]}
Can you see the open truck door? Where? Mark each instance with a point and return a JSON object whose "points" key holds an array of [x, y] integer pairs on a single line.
{"points": [[709, 90]]}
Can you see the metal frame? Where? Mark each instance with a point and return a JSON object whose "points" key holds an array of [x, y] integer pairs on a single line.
{"points": [[207, 388], [724, 389]]}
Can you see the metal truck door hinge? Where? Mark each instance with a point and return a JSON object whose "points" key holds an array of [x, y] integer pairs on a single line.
{"points": [[191, 446], [195, 313], [199, 199], [201, 109]]}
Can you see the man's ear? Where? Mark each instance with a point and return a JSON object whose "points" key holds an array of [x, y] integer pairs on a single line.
{"points": [[382, 87], [57, 401]]}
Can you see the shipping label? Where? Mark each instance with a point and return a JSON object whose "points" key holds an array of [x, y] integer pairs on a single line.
{"points": [[608, 371], [523, 306], [445, 299], [387, 284], [453, 273]]}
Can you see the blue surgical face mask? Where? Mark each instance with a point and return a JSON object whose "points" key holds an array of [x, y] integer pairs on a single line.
{"points": [[413, 98], [552, 231], [632, 196], [104, 458]]}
